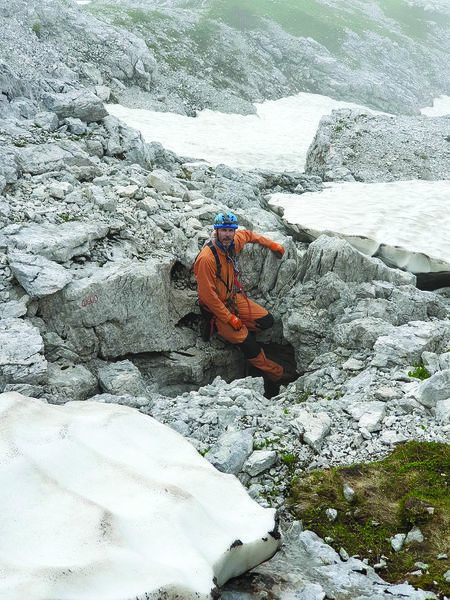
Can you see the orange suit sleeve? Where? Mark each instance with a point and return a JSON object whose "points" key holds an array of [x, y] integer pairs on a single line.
{"points": [[245, 236]]}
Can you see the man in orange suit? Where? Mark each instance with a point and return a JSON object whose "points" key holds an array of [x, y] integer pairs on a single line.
{"points": [[224, 304]]}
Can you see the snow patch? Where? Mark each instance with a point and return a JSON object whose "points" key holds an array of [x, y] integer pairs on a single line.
{"points": [[100, 501]]}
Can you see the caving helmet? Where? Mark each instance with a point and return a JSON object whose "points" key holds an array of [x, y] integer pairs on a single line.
{"points": [[225, 221]]}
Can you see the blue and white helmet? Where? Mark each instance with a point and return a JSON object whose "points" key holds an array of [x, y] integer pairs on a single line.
{"points": [[226, 221]]}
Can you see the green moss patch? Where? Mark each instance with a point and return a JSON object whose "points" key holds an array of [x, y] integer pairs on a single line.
{"points": [[411, 487]]}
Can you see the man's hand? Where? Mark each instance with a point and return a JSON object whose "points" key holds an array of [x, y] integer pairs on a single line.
{"points": [[235, 322], [277, 249]]}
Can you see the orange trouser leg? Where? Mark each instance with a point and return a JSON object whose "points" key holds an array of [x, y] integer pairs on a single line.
{"points": [[272, 369], [249, 312]]}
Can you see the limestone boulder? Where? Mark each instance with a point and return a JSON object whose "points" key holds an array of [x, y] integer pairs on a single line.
{"points": [[9, 167], [124, 307], [335, 255], [42, 158], [21, 354], [405, 344], [165, 182], [435, 389], [78, 104], [70, 382], [37, 275], [121, 378], [313, 427], [57, 243], [121, 140], [354, 145]]}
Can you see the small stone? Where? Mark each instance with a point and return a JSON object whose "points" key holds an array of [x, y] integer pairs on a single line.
{"points": [[331, 514], [260, 461], [397, 541], [380, 565], [415, 535], [349, 492], [353, 365], [344, 554]]}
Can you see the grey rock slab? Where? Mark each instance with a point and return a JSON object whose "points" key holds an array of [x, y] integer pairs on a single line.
{"points": [[231, 451], [57, 242], [14, 308], [96, 194], [9, 167], [21, 353], [361, 333], [442, 411], [43, 158], [436, 388], [73, 382], [124, 307], [405, 344], [80, 104], [121, 140], [47, 121], [260, 461], [38, 275], [314, 427], [165, 182], [103, 92], [121, 378], [436, 362], [59, 189], [75, 125], [335, 255], [372, 419]]}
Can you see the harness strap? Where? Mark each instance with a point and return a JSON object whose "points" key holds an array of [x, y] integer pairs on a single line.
{"points": [[213, 249]]}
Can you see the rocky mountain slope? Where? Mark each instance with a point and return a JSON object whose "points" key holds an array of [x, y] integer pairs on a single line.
{"points": [[219, 53], [185, 56]]}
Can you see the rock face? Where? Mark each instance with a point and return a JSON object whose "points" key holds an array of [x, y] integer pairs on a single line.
{"points": [[357, 146], [21, 354], [121, 308], [51, 32], [164, 496]]}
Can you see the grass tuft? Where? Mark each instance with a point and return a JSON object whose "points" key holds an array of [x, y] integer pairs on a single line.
{"points": [[409, 488]]}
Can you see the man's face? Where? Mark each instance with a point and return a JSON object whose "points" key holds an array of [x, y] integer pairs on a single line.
{"points": [[226, 236]]}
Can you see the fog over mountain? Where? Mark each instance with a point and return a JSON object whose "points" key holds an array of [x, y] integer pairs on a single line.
{"points": [[210, 53], [226, 54]]}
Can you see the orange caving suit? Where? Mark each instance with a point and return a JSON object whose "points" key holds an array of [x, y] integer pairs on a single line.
{"points": [[216, 294]]}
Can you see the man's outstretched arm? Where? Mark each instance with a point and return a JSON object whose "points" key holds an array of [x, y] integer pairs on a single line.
{"points": [[250, 237]]}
